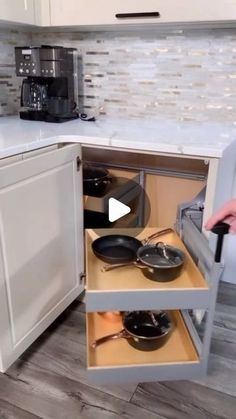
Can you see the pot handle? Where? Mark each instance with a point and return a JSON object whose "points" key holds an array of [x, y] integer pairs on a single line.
{"points": [[107, 268], [103, 181], [121, 334], [157, 234]]}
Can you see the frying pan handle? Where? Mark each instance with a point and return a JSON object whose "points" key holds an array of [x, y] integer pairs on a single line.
{"points": [[121, 334], [107, 268], [157, 234]]}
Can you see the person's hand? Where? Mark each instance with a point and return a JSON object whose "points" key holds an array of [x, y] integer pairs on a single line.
{"points": [[227, 213]]}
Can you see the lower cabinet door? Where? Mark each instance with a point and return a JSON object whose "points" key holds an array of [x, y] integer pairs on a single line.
{"points": [[117, 361], [41, 248]]}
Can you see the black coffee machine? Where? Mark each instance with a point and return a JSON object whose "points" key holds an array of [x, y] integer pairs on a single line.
{"points": [[48, 91]]}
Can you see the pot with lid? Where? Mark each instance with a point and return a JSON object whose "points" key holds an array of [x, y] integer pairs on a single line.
{"points": [[159, 262], [144, 330], [95, 180]]}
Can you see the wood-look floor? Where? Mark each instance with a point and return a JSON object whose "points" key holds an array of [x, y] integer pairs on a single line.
{"points": [[49, 380]]}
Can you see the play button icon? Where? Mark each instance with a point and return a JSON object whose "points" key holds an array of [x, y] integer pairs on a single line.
{"points": [[116, 209]]}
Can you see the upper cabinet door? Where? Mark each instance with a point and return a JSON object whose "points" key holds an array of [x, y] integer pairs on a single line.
{"points": [[105, 12], [42, 12], [20, 11]]}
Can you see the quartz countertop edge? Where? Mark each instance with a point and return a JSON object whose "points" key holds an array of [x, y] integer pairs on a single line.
{"points": [[167, 137]]}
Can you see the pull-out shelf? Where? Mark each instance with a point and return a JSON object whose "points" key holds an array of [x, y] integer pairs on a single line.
{"points": [[128, 289], [117, 361], [120, 188], [185, 354]]}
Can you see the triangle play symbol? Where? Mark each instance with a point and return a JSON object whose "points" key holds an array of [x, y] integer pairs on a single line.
{"points": [[116, 209]]}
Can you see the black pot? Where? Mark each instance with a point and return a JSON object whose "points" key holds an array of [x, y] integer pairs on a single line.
{"points": [[144, 330], [156, 266], [159, 262], [95, 180]]}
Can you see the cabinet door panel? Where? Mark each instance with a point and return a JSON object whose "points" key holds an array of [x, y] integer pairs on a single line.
{"points": [[42, 12], [39, 245], [20, 11], [103, 12]]}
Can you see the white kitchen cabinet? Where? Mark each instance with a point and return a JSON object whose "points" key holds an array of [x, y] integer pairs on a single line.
{"points": [[42, 12], [41, 266], [104, 12], [20, 11], [41, 245]]}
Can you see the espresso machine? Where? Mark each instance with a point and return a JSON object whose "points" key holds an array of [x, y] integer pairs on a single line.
{"points": [[48, 91]]}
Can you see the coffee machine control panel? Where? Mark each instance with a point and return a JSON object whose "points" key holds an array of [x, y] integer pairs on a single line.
{"points": [[27, 62], [41, 62]]}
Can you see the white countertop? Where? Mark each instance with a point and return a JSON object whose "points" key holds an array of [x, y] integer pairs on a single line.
{"points": [[188, 138]]}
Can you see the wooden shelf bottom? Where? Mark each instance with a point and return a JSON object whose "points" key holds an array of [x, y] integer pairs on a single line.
{"points": [[179, 348]]}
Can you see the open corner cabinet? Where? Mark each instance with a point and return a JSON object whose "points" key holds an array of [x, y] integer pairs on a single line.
{"points": [[188, 298]]}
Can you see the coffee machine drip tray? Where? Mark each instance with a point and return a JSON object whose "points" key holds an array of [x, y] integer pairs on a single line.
{"points": [[32, 115]]}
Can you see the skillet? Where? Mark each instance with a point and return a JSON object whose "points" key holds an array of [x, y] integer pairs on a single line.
{"points": [[119, 248], [116, 248]]}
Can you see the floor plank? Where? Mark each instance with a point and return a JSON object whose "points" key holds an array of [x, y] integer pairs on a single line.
{"points": [[53, 396], [221, 375], [225, 316], [8, 411], [184, 400], [49, 381], [227, 294], [223, 343], [68, 357]]}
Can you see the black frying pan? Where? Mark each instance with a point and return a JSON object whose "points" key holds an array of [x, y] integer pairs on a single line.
{"points": [[119, 248], [116, 248]]}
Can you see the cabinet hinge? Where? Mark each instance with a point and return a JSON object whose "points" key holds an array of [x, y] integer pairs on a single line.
{"points": [[82, 277], [79, 162]]}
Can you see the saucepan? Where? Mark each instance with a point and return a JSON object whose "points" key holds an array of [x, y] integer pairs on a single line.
{"points": [[95, 180], [159, 262], [120, 248], [144, 330]]}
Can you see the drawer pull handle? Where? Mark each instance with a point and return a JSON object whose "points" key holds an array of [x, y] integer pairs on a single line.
{"points": [[137, 15], [220, 229]]}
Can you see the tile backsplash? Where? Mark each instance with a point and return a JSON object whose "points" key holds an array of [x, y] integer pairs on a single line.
{"points": [[183, 75], [9, 83]]}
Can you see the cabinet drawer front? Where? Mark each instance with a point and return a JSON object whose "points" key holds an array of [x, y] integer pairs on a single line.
{"points": [[102, 12], [116, 12], [117, 361], [128, 289]]}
